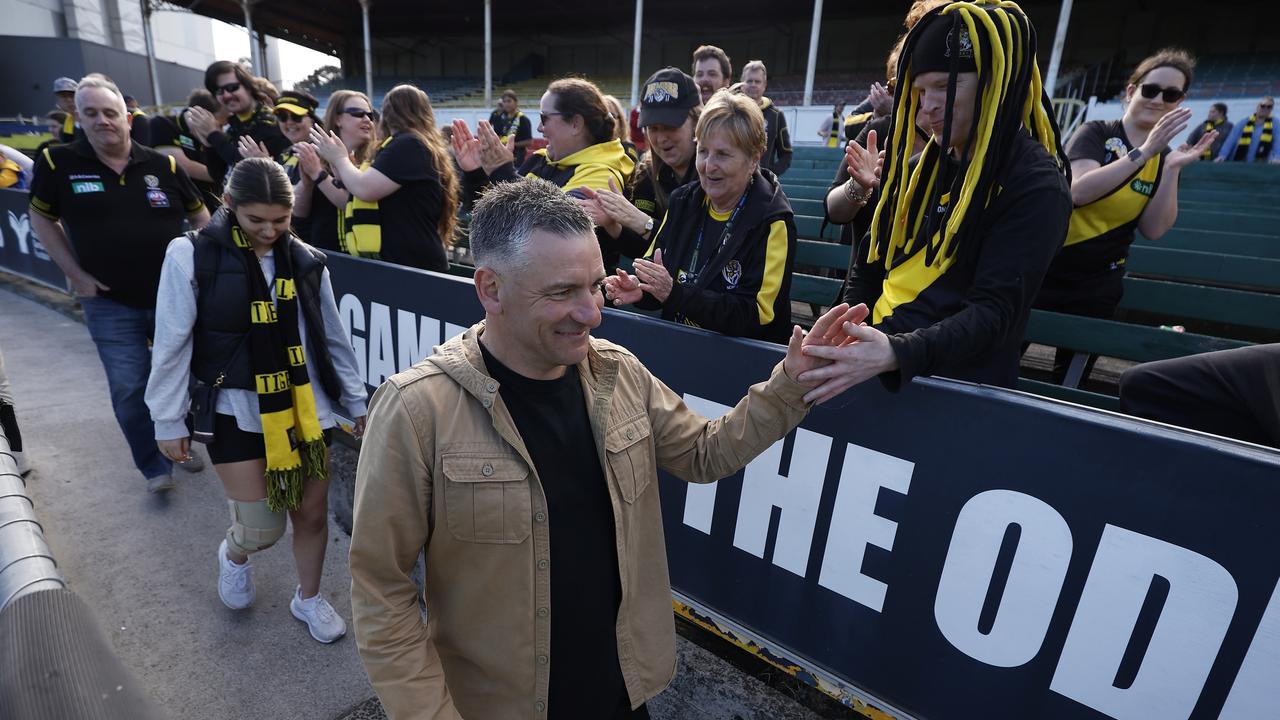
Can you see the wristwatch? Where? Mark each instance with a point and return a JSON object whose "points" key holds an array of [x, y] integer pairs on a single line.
{"points": [[1135, 155], [321, 177], [648, 228]]}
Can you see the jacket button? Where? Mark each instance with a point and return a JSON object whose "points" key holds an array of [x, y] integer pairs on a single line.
{"points": [[541, 706], [540, 516], [487, 470], [631, 434], [542, 612], [491, 387], [487, 402], [542, 564], [542, 659]]}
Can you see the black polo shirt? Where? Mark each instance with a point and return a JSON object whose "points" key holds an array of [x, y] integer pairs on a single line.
{"points": [[119, 225], [173, 132]]}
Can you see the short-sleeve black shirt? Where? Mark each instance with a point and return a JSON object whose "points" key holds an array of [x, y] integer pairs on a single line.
{"points": [[119, 225], [410, 216]]}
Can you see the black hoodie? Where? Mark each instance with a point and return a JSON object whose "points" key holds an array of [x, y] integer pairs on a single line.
{"points": [[741, 288]]}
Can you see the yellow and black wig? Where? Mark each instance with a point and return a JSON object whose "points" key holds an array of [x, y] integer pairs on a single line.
{"points": [[999, 40]]}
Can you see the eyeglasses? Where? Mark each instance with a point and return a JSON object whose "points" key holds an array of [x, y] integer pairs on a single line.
{"points": [[361, 114], [544, 115], [228, 89], [1169, 95]]}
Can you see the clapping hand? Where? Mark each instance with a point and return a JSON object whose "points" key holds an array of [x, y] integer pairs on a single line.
{"points": [[201, 123], [881, 100], [866, 163], [1187, 154], [308, 161], [621, 210], [1165, 130], [651, 277], [250, 148], [328, 146], [466, 148], [495, 152], [856, 353]]}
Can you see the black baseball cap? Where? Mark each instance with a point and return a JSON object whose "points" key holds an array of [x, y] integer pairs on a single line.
{"points": [[669, 95], [298, 102]]}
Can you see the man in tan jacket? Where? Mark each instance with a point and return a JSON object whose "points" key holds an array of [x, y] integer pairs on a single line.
{"points": [[522, 457]]}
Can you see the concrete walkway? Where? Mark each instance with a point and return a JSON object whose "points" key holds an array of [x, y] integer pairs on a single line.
{"points": [[147, 565]]}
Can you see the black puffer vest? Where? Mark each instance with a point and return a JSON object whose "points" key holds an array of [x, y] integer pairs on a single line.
{"points": [[221, 335]]}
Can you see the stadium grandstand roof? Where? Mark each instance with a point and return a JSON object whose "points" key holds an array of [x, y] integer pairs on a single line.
{"points": [[328, 24]]}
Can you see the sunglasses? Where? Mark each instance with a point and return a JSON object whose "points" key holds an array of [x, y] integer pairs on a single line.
{"points": [[227, 89], [1169, 95], [1268, 106], [286, 116], [544, 115], [361, 114]]}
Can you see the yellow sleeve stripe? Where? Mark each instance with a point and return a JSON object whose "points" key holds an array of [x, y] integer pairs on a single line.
{"points": [[654, 243], [173, 164], [775, 266], [35, 209], [49, 159]]}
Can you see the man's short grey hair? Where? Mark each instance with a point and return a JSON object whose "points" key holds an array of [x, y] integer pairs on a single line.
{"points": [[506, 216], [100, 81], [753, 66]]}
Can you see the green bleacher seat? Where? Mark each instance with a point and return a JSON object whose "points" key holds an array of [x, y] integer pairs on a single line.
{"points": [[1233, 271], [1216, 241]]}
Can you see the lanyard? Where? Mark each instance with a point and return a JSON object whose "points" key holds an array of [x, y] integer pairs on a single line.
{"points": [[692, 275]]}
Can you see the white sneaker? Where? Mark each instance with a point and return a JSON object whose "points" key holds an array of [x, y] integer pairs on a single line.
{"points": [[235, 583], [321, 619]]}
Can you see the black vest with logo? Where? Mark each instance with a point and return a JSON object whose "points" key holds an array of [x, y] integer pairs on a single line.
{"points": [[221, 335]]}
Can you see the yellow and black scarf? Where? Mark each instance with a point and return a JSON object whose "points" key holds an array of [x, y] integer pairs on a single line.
{"points": [[360, 226], [290, 425], [1210, 125], [1246, 139]]}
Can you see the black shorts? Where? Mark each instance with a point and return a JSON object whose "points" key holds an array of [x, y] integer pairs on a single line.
{"points": [[231, 444]]}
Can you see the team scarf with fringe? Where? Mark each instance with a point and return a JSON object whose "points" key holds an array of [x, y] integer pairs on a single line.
{"points": [[1246, 139], [286, 404]]}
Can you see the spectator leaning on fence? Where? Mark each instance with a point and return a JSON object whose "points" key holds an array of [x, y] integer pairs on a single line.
{"points": [[951, 265], [1251, 139], [582, 153], [105, 208], [522, 457], [669, 111], [722, 256], [248, 308], [1218, 123], [319, 201], [777, 151], [1124, 178], [171, 136], [403, 204], [712, 70]]}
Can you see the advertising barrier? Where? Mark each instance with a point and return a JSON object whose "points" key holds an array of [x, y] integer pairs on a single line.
{"points": [[948, 551], [20, 252]]}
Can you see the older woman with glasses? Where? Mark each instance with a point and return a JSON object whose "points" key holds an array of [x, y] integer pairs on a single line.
{"points": [[722, 256], [1124, 178]]}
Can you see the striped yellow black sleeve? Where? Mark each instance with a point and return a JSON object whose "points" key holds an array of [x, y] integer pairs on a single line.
{"points": [[40, 206], [775, 267]]}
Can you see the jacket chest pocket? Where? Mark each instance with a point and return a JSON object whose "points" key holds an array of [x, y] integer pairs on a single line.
{"points": [[487, 498], [630, 455]]}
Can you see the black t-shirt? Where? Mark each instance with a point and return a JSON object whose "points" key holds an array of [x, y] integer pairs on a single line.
{"points": [[410, 216], [551, 417], [119, 225], [172, 132], [321, 227]]}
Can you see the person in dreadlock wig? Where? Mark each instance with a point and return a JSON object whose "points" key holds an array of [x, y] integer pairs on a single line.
{"points": [[964, 230]]}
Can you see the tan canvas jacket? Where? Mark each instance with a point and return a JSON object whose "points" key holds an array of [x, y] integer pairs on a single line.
{"points": [[443, 468]]}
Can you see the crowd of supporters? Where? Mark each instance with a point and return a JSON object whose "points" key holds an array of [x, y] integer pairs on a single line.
{"points": [[963, 205]]}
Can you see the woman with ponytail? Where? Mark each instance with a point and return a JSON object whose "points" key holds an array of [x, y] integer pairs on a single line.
{"points": [[963, 231], [404, 203], [250, 313]]}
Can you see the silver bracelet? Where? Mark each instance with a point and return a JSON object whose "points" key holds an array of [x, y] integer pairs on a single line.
{"points": [[853, 196]]}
